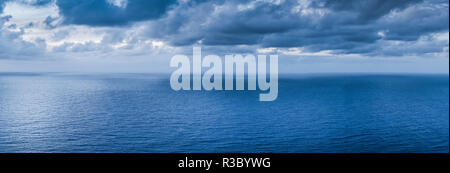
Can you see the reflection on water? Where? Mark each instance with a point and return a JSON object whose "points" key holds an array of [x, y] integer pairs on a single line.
{"points": [[140, 113]]}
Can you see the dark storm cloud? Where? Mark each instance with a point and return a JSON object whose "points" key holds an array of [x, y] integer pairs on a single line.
{"points": [[342, 26], [34, 3], [40, 2], [416, 21], [103, 13], [222, 23], [368, 9]]}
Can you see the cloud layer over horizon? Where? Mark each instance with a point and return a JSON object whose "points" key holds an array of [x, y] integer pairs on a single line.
{"points": [[33, 29]]}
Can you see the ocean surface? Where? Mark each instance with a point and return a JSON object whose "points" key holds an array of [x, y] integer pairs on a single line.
{"points": [[54, 112]]}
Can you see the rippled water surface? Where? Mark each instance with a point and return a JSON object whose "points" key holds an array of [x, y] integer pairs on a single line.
{"points": [[141, 113]]}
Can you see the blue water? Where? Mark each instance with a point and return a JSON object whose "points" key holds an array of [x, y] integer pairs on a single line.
{"points": [[50, 112]]}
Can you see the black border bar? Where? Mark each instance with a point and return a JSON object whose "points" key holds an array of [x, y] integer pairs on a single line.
{"points": [[169, 161]]}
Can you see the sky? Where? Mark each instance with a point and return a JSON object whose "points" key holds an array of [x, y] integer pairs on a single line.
{"points": [[309, 36]]}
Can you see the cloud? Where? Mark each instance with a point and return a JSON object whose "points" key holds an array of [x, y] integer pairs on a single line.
{"points": [[12, 46], [369, 9], [2, 5], [336, 27], [28, 2], [416, 21], [111, 13], [359, 27]]}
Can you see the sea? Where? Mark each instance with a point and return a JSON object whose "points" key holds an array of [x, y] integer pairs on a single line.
{"points": [[140, 113]]}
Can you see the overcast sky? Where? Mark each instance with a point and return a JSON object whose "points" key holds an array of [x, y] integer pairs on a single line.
{"points": [[308, 35]]}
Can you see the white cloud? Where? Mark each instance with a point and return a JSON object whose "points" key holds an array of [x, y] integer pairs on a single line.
{"points": [[119, 3]]}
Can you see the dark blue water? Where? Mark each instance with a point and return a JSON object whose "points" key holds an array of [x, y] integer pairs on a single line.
{"points": [[140, 113]]}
